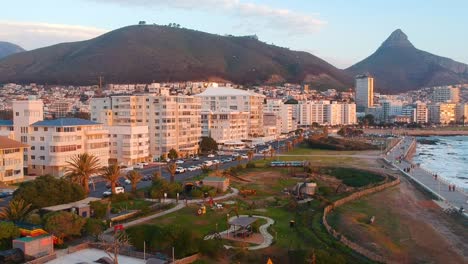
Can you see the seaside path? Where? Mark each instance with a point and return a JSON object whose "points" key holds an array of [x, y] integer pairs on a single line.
{"points": [[424, 178]]}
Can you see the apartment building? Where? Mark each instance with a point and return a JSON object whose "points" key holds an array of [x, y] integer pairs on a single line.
{"points": [[54, 142], [442, 113], [225, 126], [7, 129], [129, 145], [364, 92], [446, 94], [229, 99], [462, 113], [422, 113], [326, 112], [174, 122], [11, 160], [271, 124], [284, 111]]}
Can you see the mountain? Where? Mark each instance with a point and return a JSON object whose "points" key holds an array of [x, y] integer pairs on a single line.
{"points": [[146, 53], [7, 48], [398, 66]]}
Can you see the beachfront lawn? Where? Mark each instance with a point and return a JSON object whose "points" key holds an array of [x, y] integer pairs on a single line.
{"points": [[353, 177]]}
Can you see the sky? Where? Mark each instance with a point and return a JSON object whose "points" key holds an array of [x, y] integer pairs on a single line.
{"points": [[341, 32]]}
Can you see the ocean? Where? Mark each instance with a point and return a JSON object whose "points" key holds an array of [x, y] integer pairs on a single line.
{"points": [[446, 156]]}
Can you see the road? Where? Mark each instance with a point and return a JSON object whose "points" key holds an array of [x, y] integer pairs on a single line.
{"points": [[438, 186]]}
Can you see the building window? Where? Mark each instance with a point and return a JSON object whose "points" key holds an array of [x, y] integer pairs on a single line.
{"points": [[42, 138], [17, 113], [33, 148], [33, 157], [36, 129], [42, 147], [46, 129], [42, 158]]}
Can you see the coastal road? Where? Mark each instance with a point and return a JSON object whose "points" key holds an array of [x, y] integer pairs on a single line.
{"points": [[438, 186]]}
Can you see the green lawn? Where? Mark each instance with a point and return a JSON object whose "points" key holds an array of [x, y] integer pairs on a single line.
{"points": [[131, 204], [353, 177], [302, 149]]}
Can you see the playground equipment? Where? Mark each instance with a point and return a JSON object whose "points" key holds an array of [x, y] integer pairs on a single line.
{"points": [[201, 210], [247, 192], [28, 230]]}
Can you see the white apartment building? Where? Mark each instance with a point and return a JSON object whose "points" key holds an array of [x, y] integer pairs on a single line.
{"points": [[446, 94], [284, 111], [129, 145], [54, 142], [364, 92], [326, 113], [271, 124], [225, 126], [228, 99], [174, 122]]}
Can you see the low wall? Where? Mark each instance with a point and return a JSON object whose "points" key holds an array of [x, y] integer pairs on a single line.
{"points": [[188, 260], [365, 252], [43, 259]]}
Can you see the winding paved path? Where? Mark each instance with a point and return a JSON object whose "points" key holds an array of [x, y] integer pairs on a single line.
{"points": [[263, 229]]}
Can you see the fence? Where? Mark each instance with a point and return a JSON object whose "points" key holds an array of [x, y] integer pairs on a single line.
{"points": [[369, 254]]}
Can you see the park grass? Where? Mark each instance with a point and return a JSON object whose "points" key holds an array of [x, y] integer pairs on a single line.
{"points": [[302, 149], [131, 204], [353, 177]]}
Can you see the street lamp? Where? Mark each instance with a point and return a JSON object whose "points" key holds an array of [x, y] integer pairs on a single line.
{"points": [[227, 222]]}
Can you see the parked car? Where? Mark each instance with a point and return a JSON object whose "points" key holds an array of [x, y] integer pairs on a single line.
{"points": [[139, 166], [216, 161], [4, 194], [208, 163], [192, 168], [196, 158], [179, 162], [180, 170], [235, 154], [117, 191], [146, 178], [244, 156], [211, 156], [198, 167], [117, 184], [127, 181]]}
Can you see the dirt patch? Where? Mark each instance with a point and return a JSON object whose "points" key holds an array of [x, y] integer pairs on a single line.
{"points": [[409, 227]]}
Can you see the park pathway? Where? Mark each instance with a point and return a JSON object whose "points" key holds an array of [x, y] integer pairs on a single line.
{"points": [[438, 187], [358, 156], [263, 229], [181, 204]]}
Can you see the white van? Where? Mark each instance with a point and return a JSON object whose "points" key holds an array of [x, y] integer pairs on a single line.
{"points": [[117, 191]]}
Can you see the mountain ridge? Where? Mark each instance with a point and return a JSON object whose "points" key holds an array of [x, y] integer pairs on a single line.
{"points": [[8, 48], [398, 66], [159, 53]]}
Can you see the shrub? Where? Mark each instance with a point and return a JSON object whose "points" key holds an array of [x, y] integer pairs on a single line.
{"points": [[196, 193], [99, 209], [210, 248], [239, 167], [121, 197], [8, 232], [48, 191], [94, 227], [63, 224], [250, 165], [34, 219]]}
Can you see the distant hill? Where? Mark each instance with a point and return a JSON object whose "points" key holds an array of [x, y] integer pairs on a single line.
{"points": [[7, 49], [146, 53], [398, 67]]}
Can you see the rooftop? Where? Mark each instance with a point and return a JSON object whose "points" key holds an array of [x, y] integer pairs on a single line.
{"points": [[28, 238], [80, 203], [226, 91], [6, 143], [62, 122], [243, 221]]}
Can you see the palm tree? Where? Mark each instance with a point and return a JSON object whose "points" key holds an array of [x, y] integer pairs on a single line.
{"points": [[171, 168], [289, 145], [134, 177], [156, 175], [272, 152], [81, 168], [265, 154], [239, 159], [250, 155], [111, 173], [17, 210]]}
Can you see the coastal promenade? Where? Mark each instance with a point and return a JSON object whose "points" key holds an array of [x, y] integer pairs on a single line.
{"points": [[437, 186]]}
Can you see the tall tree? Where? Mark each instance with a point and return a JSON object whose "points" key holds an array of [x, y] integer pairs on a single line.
{"points": [[81, 168], [17, 210], [113, 246], [172, 155], [9, 231], [208, 144], [134, 177], [64, 224], [171, 168], [111, 174], [250, 155]]}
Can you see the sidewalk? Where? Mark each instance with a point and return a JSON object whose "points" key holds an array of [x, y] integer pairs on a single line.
{"points": [[424, 178]]}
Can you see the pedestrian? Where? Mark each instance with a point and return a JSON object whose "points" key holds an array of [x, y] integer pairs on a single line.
{"points": [[450, 187], [436, 177], [453, 188]]}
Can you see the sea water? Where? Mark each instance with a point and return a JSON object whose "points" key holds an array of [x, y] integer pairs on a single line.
{"points": [[446, 156]]}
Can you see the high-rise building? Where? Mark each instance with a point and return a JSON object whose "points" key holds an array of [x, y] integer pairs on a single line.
{"points": [[228, 99], [364, 92], [462, 113], [326, 112], [129, 145], [442, 113], [446, 94], [422, 113], [225, 126], [174, 122]]}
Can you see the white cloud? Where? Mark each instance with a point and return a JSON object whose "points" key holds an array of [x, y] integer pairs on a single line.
{"points": [[276, 19], [31, 35]]}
